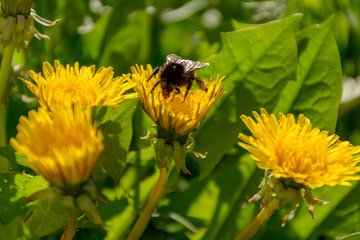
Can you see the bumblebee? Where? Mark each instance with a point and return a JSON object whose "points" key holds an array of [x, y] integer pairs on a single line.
{"points": [[177, 72]]}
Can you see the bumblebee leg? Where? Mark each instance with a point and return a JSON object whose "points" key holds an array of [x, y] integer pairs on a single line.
{"points": [[201, 84], [156, 70], [157, 83], [188, 88], [177, 92]]}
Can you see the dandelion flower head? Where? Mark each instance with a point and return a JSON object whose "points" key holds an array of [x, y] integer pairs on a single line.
{"points": [[63, 145], [173, 113], [293, 150], [66, 85]]}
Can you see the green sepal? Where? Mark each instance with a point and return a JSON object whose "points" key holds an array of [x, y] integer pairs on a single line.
{"points": [[87, 205], [49, 194], [169, 145], [7, 31], [288, 192], [311, 201]]}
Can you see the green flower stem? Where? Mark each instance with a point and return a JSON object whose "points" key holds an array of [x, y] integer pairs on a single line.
{"points": [[70, 226], [4, 76], [150, 206], [4, 164], [6, 67], [262, 217]]}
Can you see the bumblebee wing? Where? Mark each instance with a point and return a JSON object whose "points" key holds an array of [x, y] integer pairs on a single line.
{"points": [[192, 66], [173, 58]]}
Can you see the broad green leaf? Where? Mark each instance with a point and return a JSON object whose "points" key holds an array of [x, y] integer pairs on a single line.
{"points": [[210, 201], [115, 124], [353, 236], [317, 90], [13, 230], [14, 188], [126, 201], [142, 158], [93, 41], [130, 44], [142, 122], [89, 234], [336, 219], [13, 156], [42, 222], [257, 62]]}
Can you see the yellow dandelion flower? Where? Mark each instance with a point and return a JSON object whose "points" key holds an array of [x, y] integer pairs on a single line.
{"points": [[294, 150], [297, 159], [174, 116], [172, 113], [63, 145], [68, 85]]}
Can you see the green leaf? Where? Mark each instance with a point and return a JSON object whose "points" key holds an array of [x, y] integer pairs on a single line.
{"points": [[339, 218], [13, 230], [93, 42], [14, 188], [13, 156], [317, 90], [43, 221], [142, 158], [130, 44], [353, 236], [257, 62], [126, 201], [115, 124], [210, 202]]}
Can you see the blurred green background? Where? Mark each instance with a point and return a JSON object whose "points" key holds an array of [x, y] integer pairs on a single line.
{"points": [[124, 33]]}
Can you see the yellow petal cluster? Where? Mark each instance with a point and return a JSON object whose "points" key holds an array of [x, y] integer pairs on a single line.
{"points": [[292, 149], [172, 113], [68, 85], [62, 145]]}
